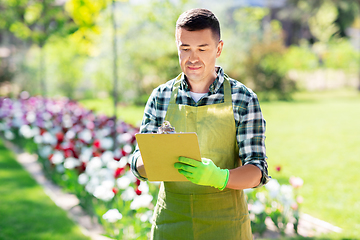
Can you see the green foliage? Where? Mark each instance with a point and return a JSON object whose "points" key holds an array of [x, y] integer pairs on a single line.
{"points": [[322, 24], [35, 20], [341, 55], [66, 66], [240, 29], [264, 71], [300, 58]]}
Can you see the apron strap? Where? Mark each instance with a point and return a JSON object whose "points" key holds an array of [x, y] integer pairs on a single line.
{"points": [[227, 90], [175, 89]]}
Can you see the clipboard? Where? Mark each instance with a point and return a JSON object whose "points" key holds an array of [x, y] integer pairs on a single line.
{"points": [[159, 152]]}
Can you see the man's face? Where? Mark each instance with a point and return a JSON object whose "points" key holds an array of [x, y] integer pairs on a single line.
{"points": [[198, 51]]}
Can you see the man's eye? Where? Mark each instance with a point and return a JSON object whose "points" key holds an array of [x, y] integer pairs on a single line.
{"points": [[185, 49], [201, 50]]}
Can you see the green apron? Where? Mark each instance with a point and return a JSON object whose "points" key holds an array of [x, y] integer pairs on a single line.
{"points": [[188, 211]]}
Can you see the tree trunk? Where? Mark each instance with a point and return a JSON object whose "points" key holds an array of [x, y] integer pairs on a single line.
{"points": [[42, 72], [115, 87]]}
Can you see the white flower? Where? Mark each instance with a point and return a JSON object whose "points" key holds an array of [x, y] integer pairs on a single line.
{"points": [[9, 135], [108, 183], [143, 200], [112, 164], [31, 117], [273, 187], [48, 125], [86, 154], [144, 187], [35, 131], [66, 121], [26, 131], [147, 216], [71, 163], [103, 193], [286, 192], [131, 176], [106, 174], [57, 158], [107, 156], [70, 134], [123, 161], [83, 178], [128, 194], [123, 182], [45, 151], [261, 197], [124, 138], [92, 184], [93, 166], [85, 135], [46, 116], [106, 143], [38, 139], [257, 207], [48, 138], [112, 215], [127, 148]]}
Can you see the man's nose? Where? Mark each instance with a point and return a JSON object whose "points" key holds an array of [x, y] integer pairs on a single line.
{"points": [[193, 57]]}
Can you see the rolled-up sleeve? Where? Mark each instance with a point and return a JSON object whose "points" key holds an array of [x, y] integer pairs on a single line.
{"points": [[251, 137]]}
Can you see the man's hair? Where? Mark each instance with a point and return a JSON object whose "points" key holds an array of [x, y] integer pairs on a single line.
{"points": [[199, 19]]}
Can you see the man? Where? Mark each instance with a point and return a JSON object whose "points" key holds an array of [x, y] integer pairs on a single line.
{"points": [[228, 121]]}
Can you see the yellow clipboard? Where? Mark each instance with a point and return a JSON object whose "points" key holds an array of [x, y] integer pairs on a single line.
{"points": [[159, 152]]}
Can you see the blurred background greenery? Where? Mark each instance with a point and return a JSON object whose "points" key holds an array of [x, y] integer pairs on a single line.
{"points": [[302, 58], [86, 49]]}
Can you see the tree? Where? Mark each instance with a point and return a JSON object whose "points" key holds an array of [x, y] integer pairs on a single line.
{"points": [[36, 21]]}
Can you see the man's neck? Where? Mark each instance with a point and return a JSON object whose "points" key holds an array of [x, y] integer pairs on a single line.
{"points": [[202, 86]]}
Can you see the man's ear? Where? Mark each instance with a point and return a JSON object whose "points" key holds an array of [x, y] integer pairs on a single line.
{"points": [[219, 48]]}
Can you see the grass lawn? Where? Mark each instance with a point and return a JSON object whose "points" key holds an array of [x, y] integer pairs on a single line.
{"points": [[26, 212], [315, 137]]}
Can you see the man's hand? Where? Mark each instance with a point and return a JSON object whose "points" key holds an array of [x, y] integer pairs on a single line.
{"points": [[203, 173]]}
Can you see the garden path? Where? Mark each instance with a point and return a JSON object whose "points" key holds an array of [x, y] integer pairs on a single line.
{"points": [[308, 225]]}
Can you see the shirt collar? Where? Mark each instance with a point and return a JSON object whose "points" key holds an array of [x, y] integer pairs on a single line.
{"points": [[214, 87]]}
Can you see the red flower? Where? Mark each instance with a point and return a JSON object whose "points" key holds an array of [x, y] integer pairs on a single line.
{"points": [[58, 147], [96, 154], [82, 167], [115, 191], [123, 152], [97, 143], [278, 168], [138, 182], [42, 131], [68, 153], [138, 192], [60, 136], [118, 172]]}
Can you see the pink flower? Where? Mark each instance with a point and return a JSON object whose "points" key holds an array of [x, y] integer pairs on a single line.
{"points": [[294, 206], [278, 168], [299, 199], [296, 182]]}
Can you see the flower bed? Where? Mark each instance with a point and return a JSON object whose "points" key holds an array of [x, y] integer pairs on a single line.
{"points": [[77, 151]]}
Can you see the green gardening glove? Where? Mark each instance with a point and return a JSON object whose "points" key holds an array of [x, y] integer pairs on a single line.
{"points": [[204, 173]]}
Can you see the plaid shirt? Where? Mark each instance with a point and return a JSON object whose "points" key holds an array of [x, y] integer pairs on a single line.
{"points": [[250, 124]]}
